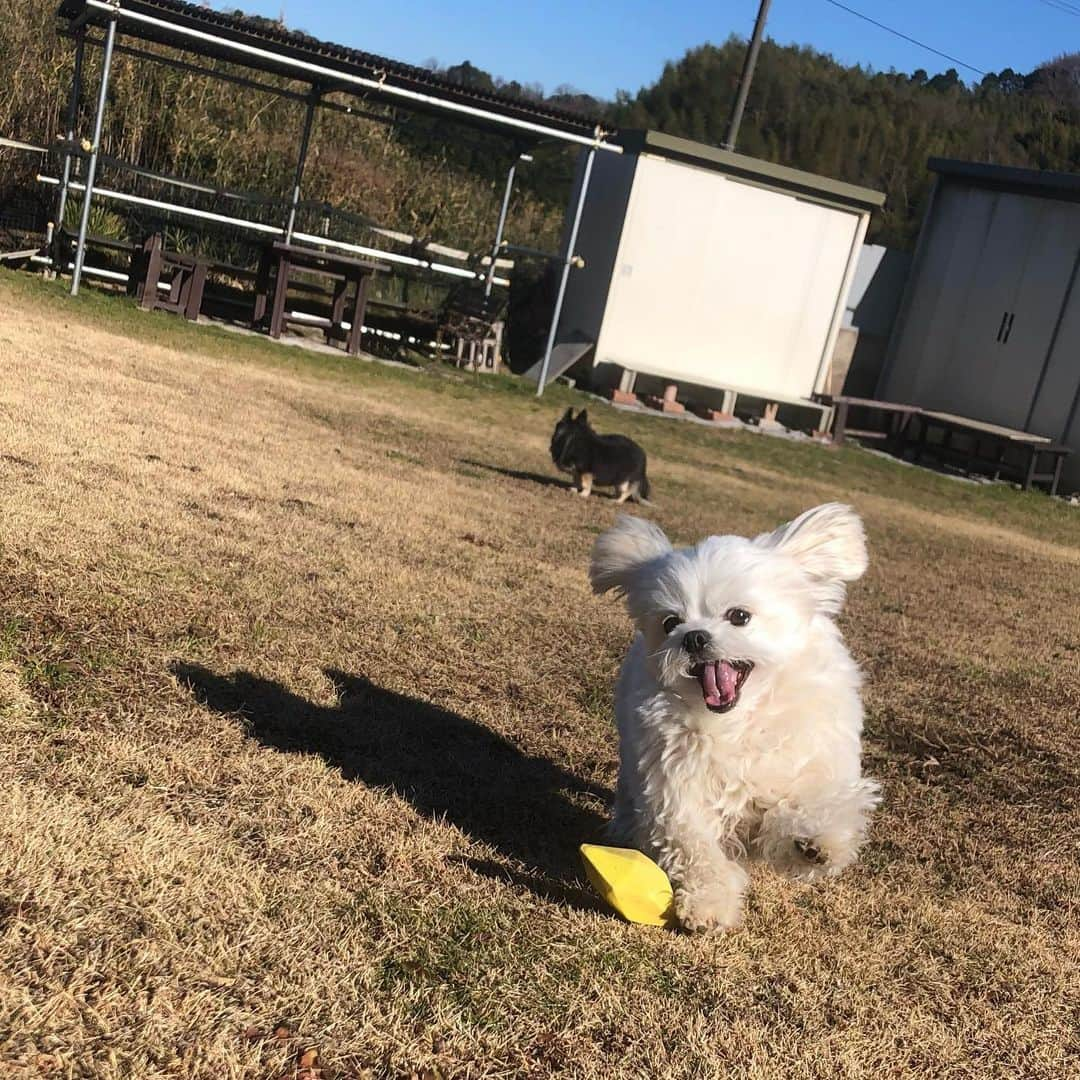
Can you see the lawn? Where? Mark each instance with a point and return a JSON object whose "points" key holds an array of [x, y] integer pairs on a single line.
{"points": [[305, 706]]}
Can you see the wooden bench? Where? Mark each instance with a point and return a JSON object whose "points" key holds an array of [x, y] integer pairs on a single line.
{"points": [[115, 254], [1057, 453], [1029, 449], [898, 417]]}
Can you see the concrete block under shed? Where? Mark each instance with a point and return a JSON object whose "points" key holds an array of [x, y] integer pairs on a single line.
{"points": [[668, 402], [706, 412]]}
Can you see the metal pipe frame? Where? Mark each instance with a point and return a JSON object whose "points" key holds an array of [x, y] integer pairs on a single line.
{"points": [[120, 165], [239, 80], [502, 225], [319, 73], [568, 262], [80, 21], [15, 144], [315, 74], [276, 230], [536, 253], [301, 161], [91, 168], [72, 117]]}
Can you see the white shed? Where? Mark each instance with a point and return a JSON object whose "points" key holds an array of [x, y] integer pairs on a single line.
{"points": [[711, 270], [989, 327]]}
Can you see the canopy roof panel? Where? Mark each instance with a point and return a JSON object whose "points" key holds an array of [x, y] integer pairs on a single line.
{"points": [[265, 46]]}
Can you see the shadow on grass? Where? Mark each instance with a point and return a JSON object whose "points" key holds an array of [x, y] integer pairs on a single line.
{"points": [[442, 763], [516, 474]]}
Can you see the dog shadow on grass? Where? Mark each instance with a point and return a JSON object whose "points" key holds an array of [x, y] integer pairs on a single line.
{"points": [[447, 766], [518, 474]]}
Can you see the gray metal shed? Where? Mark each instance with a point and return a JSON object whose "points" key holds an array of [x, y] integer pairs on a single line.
{"points": [[989, 327]]}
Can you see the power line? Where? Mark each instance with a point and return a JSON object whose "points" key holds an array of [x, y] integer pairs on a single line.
{"points": [[1063, 6], [897, 33]]}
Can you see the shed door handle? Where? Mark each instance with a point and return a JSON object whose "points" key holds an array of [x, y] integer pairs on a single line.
{"points": [[1008, 327], [1001, 328]]}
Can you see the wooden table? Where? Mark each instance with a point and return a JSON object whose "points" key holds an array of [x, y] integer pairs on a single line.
{"points": [[899, 416], [284, 259], [1029, 448]]}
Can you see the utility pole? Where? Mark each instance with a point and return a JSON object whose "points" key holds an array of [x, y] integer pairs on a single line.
{"points": [[747, 76]]}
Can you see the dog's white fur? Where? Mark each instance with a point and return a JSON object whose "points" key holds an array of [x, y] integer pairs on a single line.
{"points": [[779, 776]]}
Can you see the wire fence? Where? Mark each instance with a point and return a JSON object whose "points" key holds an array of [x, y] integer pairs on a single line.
{"points": [[230, 228]]}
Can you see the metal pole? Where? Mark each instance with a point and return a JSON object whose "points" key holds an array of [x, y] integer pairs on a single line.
{"points": [[568, 261], [747, 76], [91, 168], [305, 141], [73, 109], [502, 223]]}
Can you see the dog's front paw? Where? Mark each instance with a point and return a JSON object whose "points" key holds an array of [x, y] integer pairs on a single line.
{"points": [[810, 851], [812, 860], [708, 907]]}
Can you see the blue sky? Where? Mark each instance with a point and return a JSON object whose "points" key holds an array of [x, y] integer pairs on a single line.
{"points": [[606, 45]]}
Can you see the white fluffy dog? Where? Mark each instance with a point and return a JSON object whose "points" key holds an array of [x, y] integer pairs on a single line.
{"points": [[738, 705]]}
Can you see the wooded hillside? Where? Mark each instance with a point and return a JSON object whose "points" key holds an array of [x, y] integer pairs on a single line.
{"points": [[871, 128]]}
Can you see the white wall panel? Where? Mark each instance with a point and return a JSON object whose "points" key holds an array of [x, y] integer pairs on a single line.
{"points": [[723, 282]]}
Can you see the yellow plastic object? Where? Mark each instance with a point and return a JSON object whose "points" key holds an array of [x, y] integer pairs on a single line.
{"points": [[631, 883]]}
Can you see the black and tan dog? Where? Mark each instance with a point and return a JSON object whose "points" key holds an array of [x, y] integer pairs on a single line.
{"points": [[605, 460]]}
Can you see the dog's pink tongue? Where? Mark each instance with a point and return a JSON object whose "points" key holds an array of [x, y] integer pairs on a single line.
{"points": [[718, 683]]}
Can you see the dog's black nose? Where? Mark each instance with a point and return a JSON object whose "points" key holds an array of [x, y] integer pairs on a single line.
{"points": [[694, 641]]}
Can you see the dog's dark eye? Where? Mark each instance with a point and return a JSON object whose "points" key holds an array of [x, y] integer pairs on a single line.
{"points": [[737, 616], [671, 622]]}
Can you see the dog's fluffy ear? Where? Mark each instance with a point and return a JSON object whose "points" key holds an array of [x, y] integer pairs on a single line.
{"points": [[829, 545], [621, 551], [583, 417], [567, 416]]}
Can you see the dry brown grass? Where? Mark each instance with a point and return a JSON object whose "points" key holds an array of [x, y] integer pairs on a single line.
{"points": [[305, 706]]}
